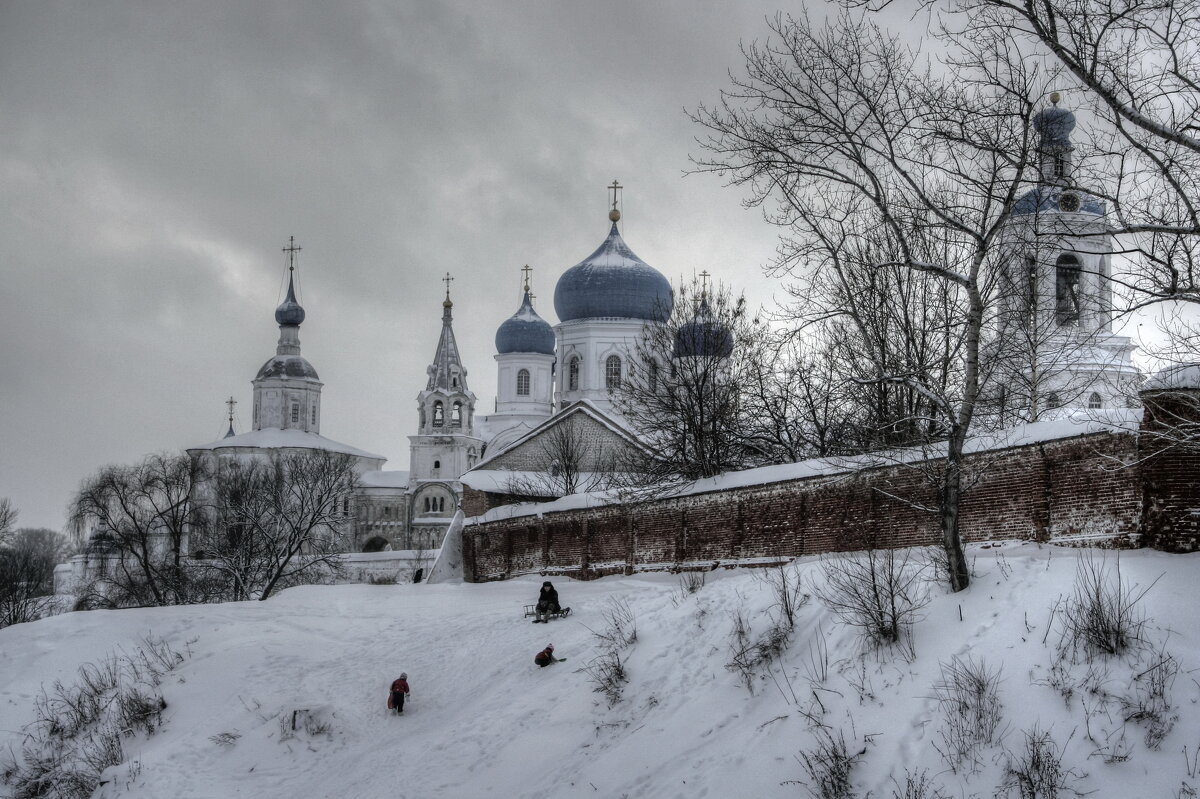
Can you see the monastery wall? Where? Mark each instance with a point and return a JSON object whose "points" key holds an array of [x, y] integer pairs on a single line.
{"points": [[1097, 487]]}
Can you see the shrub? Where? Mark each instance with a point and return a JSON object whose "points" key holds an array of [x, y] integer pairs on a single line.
{"points": [[828, 766], [879, 592], [968, 697], [1037, 771], [1102, 614]]}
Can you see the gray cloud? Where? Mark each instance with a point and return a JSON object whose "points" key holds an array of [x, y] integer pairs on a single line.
{"points": [[155, 158]]}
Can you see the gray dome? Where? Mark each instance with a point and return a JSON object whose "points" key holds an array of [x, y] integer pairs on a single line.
{"points": [[703, 336], [1054, 126], [612, 282], [1180, 377], [289, 312], [287, 366], [1045, 199], [525, 331]]}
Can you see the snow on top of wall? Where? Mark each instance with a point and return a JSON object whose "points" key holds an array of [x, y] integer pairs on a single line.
{"points": [[1071, 425], [275, 438]]}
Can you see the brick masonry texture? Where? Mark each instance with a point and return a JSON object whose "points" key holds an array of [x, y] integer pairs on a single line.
{"points": [[1120, 489]]}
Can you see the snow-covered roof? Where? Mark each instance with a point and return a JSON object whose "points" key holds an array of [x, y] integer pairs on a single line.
{"points": [[611, 421], [275, 438], [498, 481], [1175, 378], [1076, 423], [384, 479]]}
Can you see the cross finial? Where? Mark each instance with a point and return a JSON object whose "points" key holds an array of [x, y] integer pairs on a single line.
{"points": [[231, 402], [614, 188], [447, 280], [704, 276], [291, 250], [527, 271]]}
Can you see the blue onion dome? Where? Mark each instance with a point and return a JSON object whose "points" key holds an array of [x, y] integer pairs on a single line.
{"points": [[613, 282], [525, 331], [703, 336], [1043, 199], [287, 366], [1054, 126], [289, 312]]}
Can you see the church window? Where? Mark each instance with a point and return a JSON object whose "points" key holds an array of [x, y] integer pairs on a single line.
{"points": [[438, 414], [1095, 402], [523, 383], [456, 415], [422, 417], [441, 504], [652, 377], [427, 504], [1052, 400], [612, 372], [1060, 166], [1067, 278], [573, 374], [295, 412], [454, 382], [314, 414]]}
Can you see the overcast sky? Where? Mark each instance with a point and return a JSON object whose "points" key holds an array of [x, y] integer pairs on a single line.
{"points": [[155, 157]]}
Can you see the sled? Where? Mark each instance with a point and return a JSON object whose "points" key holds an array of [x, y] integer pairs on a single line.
{"points": [[531, 610]]}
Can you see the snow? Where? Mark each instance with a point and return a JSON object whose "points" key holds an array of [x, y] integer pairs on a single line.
{"points": [[483, 721], [1182, 376]]}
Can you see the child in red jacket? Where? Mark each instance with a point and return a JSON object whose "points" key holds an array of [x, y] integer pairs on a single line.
{"points": [[398, 691]]}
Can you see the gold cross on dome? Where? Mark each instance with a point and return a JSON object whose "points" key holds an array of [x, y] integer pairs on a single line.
{"points": [[291, 250], [231, 402], [704, 276], [447, 280], [527, 271], [614, 188]]}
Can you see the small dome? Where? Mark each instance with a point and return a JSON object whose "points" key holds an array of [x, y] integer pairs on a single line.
{"points": [[703, 336], [1045, 199], [289, 312], [612, 282], [287, 366], [525, 331], [1054, 126]]}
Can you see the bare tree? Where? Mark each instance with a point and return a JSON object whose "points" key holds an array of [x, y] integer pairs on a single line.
{"points": [[8, 519], [27, 564], [841, 130], [145, 511], [683, 395], [279, 522], [574, 465]]}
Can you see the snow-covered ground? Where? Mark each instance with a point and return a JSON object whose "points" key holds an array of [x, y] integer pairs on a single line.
{"points": [[484, 721]]}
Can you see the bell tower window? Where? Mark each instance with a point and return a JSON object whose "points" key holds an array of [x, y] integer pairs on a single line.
{"points": [[456, 415], [1067, 278], [439, 418], [523, 383], [573, 374]]}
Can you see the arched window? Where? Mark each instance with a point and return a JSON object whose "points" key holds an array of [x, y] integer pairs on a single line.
{"points": [[1060, 166], [652, 377], [295, 413], [1067, 276], [1052, 400], [456, 415], [441, 504], [427, 504], [1095, 402], [573, 374], [439, 418], [523, 383], [612, 372]]}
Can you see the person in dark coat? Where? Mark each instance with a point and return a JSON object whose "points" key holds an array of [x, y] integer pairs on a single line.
{"points": [[546, 656], [547, 603], [398, 691]]}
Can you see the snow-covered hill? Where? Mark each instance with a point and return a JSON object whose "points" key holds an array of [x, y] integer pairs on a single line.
{"points": [[484, 721]]}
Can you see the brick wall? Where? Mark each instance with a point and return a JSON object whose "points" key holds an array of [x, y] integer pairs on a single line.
{"points": [[1088, 487]]}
